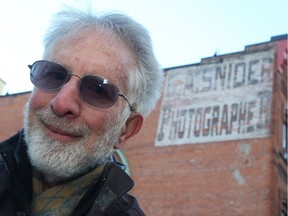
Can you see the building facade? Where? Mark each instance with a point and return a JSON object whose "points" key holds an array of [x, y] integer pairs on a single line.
{"points": [[216, 144]]}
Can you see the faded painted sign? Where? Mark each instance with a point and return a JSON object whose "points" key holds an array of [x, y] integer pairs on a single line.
{"points": [[227, 100]]}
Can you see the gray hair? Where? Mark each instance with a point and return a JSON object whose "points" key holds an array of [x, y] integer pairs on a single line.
{"points": [[144, 85]]}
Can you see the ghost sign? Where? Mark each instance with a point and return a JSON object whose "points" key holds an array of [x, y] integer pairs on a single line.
{"points": [[226, 100]]}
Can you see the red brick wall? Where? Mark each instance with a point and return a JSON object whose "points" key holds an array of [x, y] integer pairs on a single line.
{"points": [[223, 178], [11, 109], [280, 119]]}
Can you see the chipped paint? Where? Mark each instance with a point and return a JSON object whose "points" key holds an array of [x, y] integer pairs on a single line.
{"points": [[238, 177], [245, 148]]}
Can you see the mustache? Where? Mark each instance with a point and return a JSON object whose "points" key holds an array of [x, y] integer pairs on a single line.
{"points": [[49, 118]]}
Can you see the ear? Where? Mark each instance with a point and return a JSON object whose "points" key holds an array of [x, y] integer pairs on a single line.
{"points": [[132, 127]]}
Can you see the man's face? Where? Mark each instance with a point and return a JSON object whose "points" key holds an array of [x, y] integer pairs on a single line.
{"points": [[68, 128]]}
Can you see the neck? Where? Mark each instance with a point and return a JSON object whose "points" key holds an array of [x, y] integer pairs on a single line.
{"points": [[50, 180]]}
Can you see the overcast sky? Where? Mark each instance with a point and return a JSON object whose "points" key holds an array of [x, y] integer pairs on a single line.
{"points": [[183, 31]]}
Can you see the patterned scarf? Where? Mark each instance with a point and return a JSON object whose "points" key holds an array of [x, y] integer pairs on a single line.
{"points": [[61, 199]]}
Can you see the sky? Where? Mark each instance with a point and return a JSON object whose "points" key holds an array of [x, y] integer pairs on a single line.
{"points": [[183, 31]]}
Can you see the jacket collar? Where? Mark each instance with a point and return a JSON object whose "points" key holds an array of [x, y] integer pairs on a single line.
{"points": [[112, 185], [115, 184], [16, 158], [23, 164]]}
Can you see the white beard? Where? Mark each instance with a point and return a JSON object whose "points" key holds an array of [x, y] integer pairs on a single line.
{"points": [[61, 160]]}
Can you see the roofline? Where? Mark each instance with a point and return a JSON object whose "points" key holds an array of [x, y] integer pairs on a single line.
{"points": [[2, 81], [272, 39], [15, 94], [279, 37]]}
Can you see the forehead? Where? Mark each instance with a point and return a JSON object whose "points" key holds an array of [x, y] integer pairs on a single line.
{"points": [[96, 53]]}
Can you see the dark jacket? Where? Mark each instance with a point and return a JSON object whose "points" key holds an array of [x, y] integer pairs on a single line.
{"points": [[108, 197]]}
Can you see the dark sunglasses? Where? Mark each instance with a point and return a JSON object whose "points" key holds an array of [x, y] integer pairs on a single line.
{"points": [[94, 90]]}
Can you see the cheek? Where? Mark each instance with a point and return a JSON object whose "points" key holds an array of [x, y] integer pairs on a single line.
{"points": [[98, 126], [39, 100]]}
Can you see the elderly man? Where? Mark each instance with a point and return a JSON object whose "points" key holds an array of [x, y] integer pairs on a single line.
{"points": [[97, 81]]}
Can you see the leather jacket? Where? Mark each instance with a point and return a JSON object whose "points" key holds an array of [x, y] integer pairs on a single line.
{"points": [[108, 197]]}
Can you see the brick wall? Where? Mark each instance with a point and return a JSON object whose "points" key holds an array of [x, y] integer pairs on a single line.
{"points": [[11, 109], [223, 178]]}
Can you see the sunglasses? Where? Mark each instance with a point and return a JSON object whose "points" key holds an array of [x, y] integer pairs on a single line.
{"points": [[94, 90]]}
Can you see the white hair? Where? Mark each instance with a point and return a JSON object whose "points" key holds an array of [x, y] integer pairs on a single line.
{"points": [[144, 85]]}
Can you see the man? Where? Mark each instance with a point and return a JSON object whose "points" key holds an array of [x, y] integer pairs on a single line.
{"points": [[97, 81]]}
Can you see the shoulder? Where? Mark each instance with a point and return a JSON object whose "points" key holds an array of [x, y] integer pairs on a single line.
{"points": [[126, 205], [6, 206], [10, 143]]}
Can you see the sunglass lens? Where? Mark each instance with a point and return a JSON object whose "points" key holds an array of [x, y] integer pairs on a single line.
{"points": [[48, 75], [98, 92]]}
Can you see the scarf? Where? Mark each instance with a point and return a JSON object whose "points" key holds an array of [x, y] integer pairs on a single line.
{"points": [[61, 199]]}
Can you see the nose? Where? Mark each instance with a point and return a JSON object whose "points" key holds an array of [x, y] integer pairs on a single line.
{"points": [[67, 102]]}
